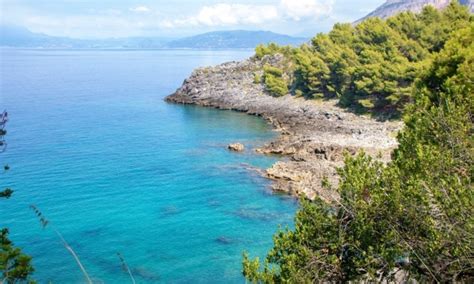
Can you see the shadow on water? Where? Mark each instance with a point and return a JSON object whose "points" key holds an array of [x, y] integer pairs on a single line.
{"points": [[116, 268], [92, 233], [258, 214], [169, 210], [223, 240], [214, 203]]}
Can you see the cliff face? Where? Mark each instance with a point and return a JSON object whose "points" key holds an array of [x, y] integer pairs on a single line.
{"points": [[314, 134], [392, 7]]}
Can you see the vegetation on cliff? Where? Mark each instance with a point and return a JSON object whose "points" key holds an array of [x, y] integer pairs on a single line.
{"points": [[15, 266], [274, 81], [371, 67], [414, 217]]}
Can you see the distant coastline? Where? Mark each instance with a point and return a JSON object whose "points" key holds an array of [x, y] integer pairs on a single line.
{"points": [[19, 37], [124, 49]]}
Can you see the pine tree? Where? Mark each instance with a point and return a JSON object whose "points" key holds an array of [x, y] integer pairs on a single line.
{"points": [[412, 219]]}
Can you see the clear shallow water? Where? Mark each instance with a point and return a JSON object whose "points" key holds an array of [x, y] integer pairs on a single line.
{"points": [[116, 169]]}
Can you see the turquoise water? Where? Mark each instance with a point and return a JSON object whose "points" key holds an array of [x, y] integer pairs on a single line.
{"points": [[116, 169]]}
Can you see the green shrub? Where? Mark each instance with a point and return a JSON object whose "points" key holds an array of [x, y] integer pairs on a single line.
{"points": [[261, 50], [276, 86], [299, 93], [257, 79], [274, 81], [274, 71], [414, 215]]}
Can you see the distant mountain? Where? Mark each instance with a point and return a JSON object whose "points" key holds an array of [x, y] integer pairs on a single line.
{"points": [[11, 36], [18, 36], [392, 7], [234, 39]]}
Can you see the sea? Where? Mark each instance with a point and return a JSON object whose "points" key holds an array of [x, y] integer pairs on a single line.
{"points": [[114, 169]]}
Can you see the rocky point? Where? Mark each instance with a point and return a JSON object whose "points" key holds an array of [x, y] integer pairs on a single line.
{"points": [[314, 134]]}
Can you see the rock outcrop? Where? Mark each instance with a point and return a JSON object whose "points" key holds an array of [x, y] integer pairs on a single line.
{"points": [[236, 147], [393, 7], [314, 134]]}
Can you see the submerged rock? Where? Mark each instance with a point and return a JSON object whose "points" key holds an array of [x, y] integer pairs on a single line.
{"points": [[145, 274], [169, 211], [224, 240], [255, 214], [237, 147]]}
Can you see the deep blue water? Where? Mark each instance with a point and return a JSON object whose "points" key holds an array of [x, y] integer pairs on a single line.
{"points": [[116, 169]]}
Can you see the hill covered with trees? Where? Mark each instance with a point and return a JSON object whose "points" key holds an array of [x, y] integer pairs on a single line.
{"points": [[371, 67], [234, 39], [410, 219]]}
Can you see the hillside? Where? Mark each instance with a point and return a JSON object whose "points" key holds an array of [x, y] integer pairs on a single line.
{"points": [[14, 36], [20, 37], [234, 39], [393, 7]]}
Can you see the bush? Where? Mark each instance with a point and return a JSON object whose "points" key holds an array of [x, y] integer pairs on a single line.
{"points": [[274, 81], [274, 71], [261, 50], [257, 79]]}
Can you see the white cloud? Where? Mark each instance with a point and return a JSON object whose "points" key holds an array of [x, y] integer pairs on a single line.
{"points": [[140, 9], [234, 14], [304, 9], [225, 15], [281, 15]]}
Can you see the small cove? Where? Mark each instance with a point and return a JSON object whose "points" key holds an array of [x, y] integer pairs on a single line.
{"points": [[116, 169]]}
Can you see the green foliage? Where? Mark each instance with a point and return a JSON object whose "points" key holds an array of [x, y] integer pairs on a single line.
{"points": [[272, 71], [14, 265], [337, 242], [372, 66], [312, 73], [367, 103], [274, 81], [261, 50], [298, 93], [412, 219], [257, 79]]}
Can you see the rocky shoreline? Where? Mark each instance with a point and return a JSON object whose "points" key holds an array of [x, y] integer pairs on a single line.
{"points": [[313, 134]]}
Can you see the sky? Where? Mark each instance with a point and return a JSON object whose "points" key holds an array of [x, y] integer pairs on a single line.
{"points": [[177, 18]]}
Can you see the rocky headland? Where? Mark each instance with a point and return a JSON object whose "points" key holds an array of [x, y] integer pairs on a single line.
{"points": [[314, 134]]}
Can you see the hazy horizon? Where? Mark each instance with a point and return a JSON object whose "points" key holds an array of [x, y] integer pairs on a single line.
{"points": [[146, 18], [170, 37]]}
